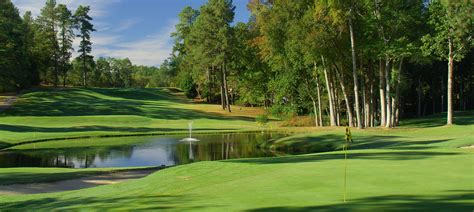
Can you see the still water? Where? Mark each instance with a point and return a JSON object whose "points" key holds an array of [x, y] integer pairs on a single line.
{"points": [[137, 151]]}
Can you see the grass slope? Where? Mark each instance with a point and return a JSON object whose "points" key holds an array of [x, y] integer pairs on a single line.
{"points": [[68, 113], [411, 168]]}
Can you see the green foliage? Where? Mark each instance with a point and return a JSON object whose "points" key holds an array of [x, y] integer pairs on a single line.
{"points": [[66, 37], [188, 86], [262, 120], [83, 24], [15, 69], [451, 21]]}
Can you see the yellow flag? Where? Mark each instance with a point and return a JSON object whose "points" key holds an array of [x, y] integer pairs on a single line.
{"points": [[348, 135]]}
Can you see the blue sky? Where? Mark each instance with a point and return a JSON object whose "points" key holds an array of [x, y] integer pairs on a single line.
{"points": [[137, 29]]}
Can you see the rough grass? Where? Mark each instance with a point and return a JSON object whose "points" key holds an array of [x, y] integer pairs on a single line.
{"points": [[411, 168], [74, 112]]}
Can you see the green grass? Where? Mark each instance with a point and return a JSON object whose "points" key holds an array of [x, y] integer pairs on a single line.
{"points": [[410, 168], [71, 113], [415, 167], [36, 175]]}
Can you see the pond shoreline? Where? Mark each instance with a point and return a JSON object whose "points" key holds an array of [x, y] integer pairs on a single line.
{"points": [[5, 148]]}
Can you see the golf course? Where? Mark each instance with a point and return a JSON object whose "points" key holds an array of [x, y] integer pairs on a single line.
{"points": [[236, 105], [416, 166]]}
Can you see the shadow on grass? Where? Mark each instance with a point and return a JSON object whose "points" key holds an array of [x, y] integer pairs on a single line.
{"points": [[396, 155], [450, 201], [151, 103], [331, 142], [437, 120], [135, 203]]}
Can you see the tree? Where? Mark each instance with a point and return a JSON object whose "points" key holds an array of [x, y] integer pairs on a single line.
{"points": [[66, 37], [183, 29], [451, 39], [32, 60], [211, 36], [13, 49], [83, 24], [48, 42]]}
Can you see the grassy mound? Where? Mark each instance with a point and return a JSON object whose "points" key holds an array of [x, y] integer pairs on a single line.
{"points": [[410, 168], [72, 113]]}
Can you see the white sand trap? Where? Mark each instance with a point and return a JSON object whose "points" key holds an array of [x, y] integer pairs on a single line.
{"points": [[74, 184]]}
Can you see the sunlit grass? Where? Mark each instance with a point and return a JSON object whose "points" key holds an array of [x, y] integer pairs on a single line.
{"points": [[70, 113]]}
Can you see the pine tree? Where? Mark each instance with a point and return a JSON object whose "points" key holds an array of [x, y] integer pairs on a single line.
{"points": [[66, 37], [84, 26], [47, 41]]}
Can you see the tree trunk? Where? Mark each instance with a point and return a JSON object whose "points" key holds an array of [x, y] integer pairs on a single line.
{"points": [[346, 99], [319, 104], [382, 93], [366, 107], [315, 112], [226, 92], [354, 74], [388, 67], [337, 103], [450, 83], [397, 94], [313, 100], [332, 118], [372, 103], [222, 90]]}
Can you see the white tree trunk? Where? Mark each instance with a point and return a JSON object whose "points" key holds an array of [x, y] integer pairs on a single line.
{"points": [[382, 93], [388, 98], [354, 74], [226, 89], [332, 118], [319, 104], [396, 104], [346, 99], [450, 83]]}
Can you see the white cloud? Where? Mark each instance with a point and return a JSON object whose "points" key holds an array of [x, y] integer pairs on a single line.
{"points": [[127, 24], [151, 50]]}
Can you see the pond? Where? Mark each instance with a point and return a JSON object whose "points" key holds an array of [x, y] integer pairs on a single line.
{"points": [[137, 151]]}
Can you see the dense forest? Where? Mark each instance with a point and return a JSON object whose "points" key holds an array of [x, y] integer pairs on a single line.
{"points": [[357, 63]]}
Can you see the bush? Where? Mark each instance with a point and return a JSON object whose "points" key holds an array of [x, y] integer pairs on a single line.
{"points": [[261, 119], [188, 86]]}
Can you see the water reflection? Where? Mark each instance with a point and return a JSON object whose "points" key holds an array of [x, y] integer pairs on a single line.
{"points": [[141, 151]]}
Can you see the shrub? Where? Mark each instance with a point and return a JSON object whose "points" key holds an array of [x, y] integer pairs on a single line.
{"points": [[261, 119]]}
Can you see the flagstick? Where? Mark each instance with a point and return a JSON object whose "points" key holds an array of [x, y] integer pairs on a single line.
{"points": [[345, 171]]}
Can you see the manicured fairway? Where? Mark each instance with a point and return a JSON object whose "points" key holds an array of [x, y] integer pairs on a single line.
{"points": [[415, 167], [47, 113], [412, 168]]}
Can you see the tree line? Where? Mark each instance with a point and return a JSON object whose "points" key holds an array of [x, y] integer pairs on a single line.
{"points": [[358, 63], [39, 50]]}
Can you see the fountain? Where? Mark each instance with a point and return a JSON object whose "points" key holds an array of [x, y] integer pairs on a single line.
{"points": [[190, 126]]}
